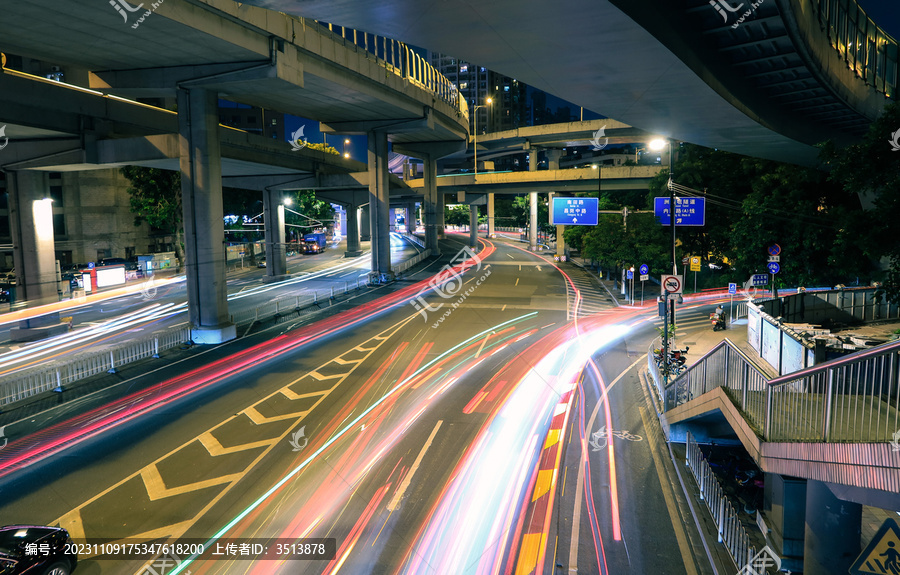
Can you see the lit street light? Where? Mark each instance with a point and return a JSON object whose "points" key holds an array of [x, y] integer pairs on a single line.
{"points": [[475, 111], [657, 145]]}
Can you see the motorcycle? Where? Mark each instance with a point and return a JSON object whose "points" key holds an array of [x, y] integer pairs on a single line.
{"points": [[678, 356], [718, 321]]}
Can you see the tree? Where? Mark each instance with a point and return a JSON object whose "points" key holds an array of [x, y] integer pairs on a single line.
{"points": [[155, 198], [456, 215], [870, 170]]}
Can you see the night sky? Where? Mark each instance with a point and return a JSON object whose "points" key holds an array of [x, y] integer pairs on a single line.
{"points": [[885, 13]]}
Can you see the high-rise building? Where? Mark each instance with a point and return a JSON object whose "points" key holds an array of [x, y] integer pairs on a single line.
{"points": [[509, 106]]}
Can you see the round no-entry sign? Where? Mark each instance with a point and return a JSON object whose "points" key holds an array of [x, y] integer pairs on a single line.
{"points": [[672, 284]]}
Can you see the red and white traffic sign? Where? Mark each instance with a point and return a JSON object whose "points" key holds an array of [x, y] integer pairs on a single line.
{"points": [[672, 284]]}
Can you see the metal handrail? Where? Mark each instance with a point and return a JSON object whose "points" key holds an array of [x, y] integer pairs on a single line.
{"points": [[398, 58], [855, 398]]}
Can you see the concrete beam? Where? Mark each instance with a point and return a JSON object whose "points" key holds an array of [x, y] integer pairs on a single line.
{"points": [[394, 125], [429, 150]]}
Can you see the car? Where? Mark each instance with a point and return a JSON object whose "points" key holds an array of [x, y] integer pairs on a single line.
{"points": [[261, 262], [36, 549], [312, 248]]}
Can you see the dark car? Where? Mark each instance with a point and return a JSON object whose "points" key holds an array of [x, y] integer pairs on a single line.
{"points": [[35, 549], [312, 248]]}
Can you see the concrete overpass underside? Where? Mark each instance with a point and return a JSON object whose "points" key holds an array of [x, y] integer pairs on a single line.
{"points": [[771, 87]]}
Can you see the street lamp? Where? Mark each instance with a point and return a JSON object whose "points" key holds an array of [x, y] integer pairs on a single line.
{"points": [[475, 112], [657, 145], [599, 169], [346, 153]]}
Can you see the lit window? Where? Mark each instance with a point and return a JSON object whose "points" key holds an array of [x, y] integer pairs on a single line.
{"points": [[464, 68], [463, 85]]}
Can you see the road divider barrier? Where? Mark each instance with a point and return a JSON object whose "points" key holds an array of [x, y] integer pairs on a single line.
{"points": [[28, 383]]}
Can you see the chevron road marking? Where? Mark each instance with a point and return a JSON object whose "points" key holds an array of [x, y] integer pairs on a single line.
{"points": [[78, 521]]}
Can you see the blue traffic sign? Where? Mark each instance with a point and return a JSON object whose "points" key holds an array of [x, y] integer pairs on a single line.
{"points": [[90, 265], [644, 269], [774, 250], [574, 212], [759, 279], [629, 275], [688, 211], [732, 288], [774, 268]]}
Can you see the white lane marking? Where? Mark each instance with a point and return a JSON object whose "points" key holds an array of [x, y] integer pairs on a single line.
{"points": [[412, 470]]}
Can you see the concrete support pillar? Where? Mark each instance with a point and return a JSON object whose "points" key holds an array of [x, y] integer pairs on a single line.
{"points": [[532, 202], [560, 240], [473, 225], [273, 213], [204, 228], [490, 216], [430, 205], [553, 156], [833, 528], [784, 505], [31, 219], [533, 221], [365, 220], [439, 213], [411, 217], [353, 249], [34, 256], [379, 203]]}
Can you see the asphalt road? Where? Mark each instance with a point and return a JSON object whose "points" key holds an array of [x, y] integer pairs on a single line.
{"points": [[469, 429], [160, 307]]}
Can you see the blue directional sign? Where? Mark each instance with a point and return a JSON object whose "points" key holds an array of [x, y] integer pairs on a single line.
{"points": [[688, 211], [644, 269], [574, 212], [629, 274], [732, 288], [774, 267], [759, 279]]}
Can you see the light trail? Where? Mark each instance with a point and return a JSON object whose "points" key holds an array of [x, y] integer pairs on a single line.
{"points": [[262, 499]]}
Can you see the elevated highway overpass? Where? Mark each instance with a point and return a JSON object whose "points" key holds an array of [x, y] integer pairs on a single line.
{"points": [[190, 54], [770, 84]]}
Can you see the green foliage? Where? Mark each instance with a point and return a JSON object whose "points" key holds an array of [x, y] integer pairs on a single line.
{"points": [[323, 147], [155, 198], [456, 215], [870, 170]]}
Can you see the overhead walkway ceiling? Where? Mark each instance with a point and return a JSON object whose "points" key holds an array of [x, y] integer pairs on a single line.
{"points": [[244, 53], [772, 87]]}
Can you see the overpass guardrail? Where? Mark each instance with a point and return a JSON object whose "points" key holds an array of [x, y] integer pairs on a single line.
{"points": [[399, 59]]}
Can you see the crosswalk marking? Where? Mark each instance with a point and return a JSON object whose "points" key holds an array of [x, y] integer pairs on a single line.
{"points": [[594, 298]]}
